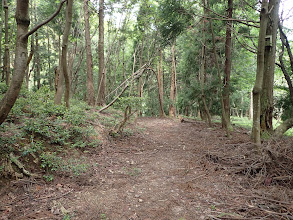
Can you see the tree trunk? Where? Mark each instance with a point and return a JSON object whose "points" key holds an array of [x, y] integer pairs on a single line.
{"points": [[22, 19], [172, 108], [49, 61], [224, 118], [267, 102], [250, 110], [228, 64], [161, 85], [27, 74], [59, 78], [287, 124], [140, 80], [285, 43], [1, 27], [102, 75], [70, 63], [6, 59], [255, 134], [64, 66], [37, 57], [20, 62], [203, 72]]}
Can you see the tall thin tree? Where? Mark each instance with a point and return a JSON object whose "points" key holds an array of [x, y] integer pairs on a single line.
{"points": [[64, 67], [89, 59], [1, 26], [102, 75], [228, 64], [172, 108], [267, 101], [6, 58], [264, 16], [20, 62], [160, 83]]}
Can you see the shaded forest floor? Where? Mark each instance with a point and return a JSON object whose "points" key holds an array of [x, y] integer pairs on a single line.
{"points": [[164, 170]]}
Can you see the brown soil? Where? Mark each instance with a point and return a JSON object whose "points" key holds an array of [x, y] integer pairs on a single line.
{"points": [[166, 170]]}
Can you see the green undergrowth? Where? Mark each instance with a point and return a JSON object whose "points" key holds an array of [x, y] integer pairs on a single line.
{"points": [[244, 122], [124, 107], [49, 139]]}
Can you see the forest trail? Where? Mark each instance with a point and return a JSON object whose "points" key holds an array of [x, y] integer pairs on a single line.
{"points": [[160, 173]]}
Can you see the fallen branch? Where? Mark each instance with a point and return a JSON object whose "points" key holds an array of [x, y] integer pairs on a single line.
{"points": [[264, 198], [126, 82]]}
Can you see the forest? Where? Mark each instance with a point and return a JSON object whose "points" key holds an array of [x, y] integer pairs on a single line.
{"points": [[146, 109]]}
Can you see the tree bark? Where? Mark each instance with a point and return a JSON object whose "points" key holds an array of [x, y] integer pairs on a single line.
{"points": [[202, 82], [255, 134], [6, 59], [2, 21], [37, 57], [30, 57], [59, 78], [49, 61], [285, 43], [22, 19], [250, 110], [89, 59], [287, 124], [228, 64], [140, 80], [267, 102], [203, 72], [172, 108], [224, 118], [64, 66], [20, 62], [160, 84], [102, 75]]}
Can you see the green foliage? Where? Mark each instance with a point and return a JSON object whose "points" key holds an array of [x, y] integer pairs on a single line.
{"points": [[66, 217], [9, 137], [110, 118], [132, 101], [35, 146], [38, 104], [45, 131], [3, 88], [52, 131], [48, 178], [50, 161], [283, 104], [174, 19], [103, 216], [74, 166]]}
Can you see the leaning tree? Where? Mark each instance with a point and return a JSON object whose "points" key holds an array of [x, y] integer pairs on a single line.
{"points": [[21, 57]]}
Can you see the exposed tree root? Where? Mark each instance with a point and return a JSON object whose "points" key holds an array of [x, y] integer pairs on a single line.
{"points": [[13, 159], [281, 129]]}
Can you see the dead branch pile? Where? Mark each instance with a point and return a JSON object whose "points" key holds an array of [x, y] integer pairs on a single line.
{"points": [[269, 176]]}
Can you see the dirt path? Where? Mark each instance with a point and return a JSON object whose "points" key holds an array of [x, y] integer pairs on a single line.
{"points": [[160, 173]]}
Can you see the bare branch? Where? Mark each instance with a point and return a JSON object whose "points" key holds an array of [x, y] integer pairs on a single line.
{"points": [[44, 22], [127, 82], [225, 18]]}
